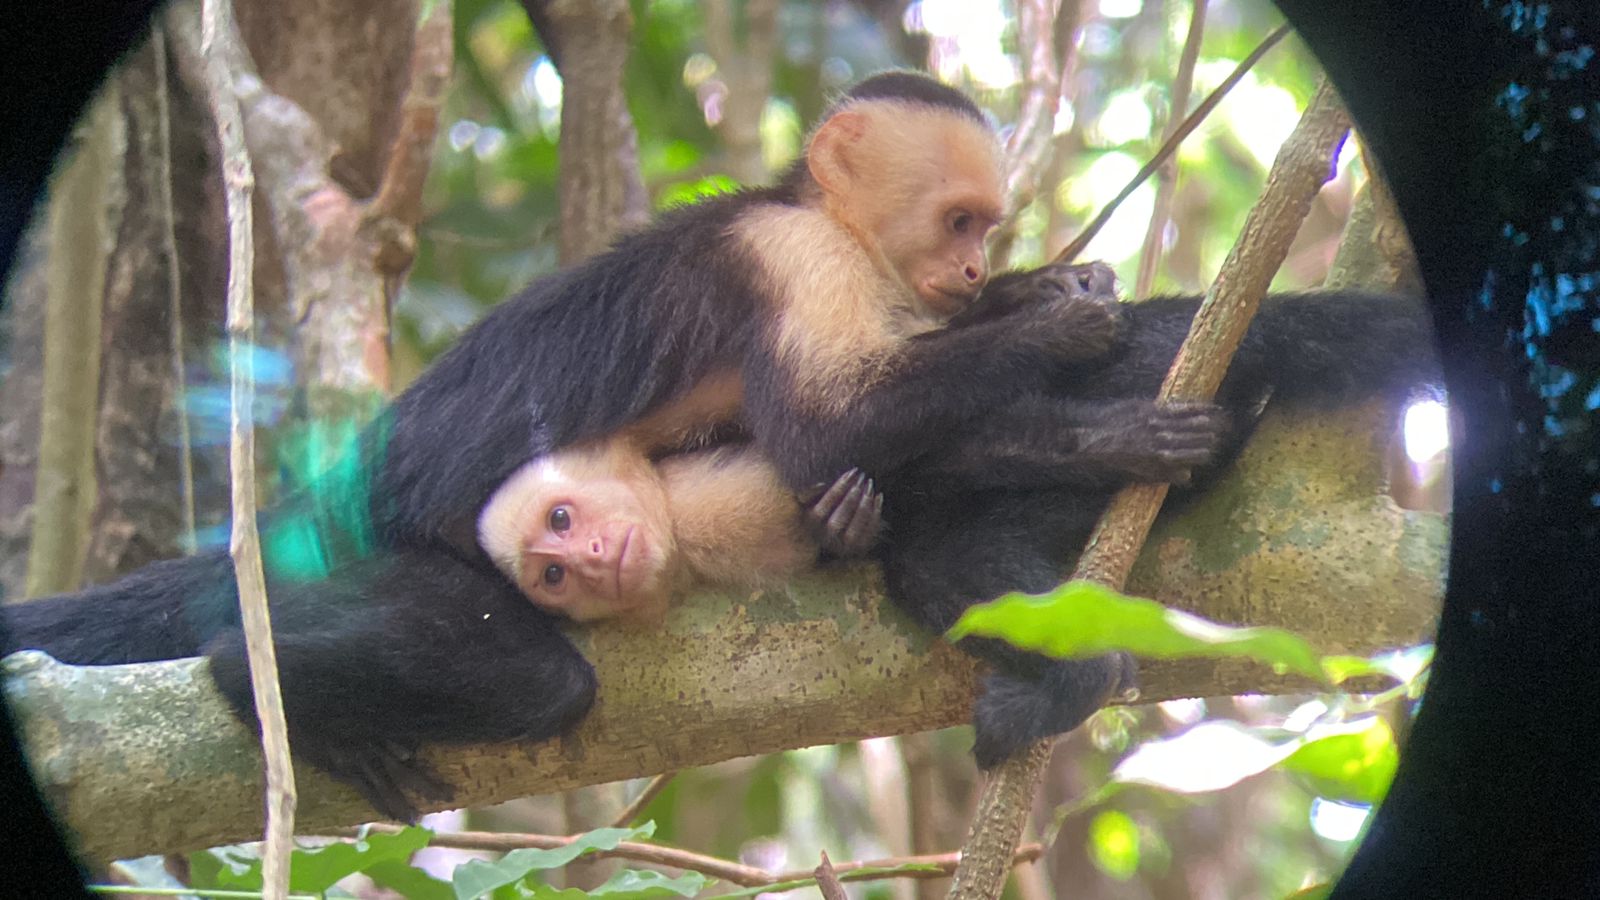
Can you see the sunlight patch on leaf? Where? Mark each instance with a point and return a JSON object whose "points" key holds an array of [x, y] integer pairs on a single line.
{"points": [[1082, 618], [1353, 763]]}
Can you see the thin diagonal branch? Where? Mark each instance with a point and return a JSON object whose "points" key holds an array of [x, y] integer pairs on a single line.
{"points": [[1167, 175], [1170, 146], [220, 41]]}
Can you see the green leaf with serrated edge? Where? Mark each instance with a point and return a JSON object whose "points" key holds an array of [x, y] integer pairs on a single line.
{"points": [[317, 870], [226, 868], [629, 884], [478, 877], [408, 881], [1082, 618], [1355, 766], [205, 868], [314, 871]]}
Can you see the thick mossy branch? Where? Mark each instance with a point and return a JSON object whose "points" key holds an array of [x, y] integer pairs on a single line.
{"points": [[147, 759]]}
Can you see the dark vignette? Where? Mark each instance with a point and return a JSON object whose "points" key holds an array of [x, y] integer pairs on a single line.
{"points": [[1486, 117]]}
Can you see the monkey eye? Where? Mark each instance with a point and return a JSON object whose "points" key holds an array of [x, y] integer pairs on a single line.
{"points": [[960, 221], [561, 519], [554, 574]]}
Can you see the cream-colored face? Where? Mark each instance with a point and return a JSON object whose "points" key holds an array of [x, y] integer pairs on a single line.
{"points": [[923, 186], [581, 541]]}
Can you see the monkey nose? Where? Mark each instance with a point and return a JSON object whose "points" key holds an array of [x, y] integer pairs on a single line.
{"points": [[973, 273], [597, 547]]}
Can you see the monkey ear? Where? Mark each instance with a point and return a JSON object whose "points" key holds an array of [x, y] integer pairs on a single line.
{"points": [[829, 154]]}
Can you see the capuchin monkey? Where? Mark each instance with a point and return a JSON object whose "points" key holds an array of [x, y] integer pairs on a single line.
{"points": [[811, 310], [603, 533], [1007, 502]]}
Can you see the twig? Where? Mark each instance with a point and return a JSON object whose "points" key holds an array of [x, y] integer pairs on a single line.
{"points": [[1190, 123], [399, 195], [1303, 164], [934, 866], [655, 854], [219, 40], [1029, 145], [828, 880], [169, 246], [651, 790], [1167, 177]]}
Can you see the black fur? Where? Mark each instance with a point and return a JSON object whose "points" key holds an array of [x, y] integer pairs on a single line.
{"points": [[1007, 503], [383, 642]]}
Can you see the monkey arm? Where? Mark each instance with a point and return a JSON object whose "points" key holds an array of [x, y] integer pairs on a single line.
{"points": [[935, 383], [1040, 441]]}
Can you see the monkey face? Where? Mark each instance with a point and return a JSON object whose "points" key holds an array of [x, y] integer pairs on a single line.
{"points": [[593, 553], [587, 545], [933, 196]]}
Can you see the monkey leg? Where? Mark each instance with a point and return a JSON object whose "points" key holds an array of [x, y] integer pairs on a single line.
{"points": [[975, 548]]}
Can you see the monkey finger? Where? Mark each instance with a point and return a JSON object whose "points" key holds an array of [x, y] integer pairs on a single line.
{"points": [[382, 793], [415, 779], [838, 522], [822, 507], [866, 522]]}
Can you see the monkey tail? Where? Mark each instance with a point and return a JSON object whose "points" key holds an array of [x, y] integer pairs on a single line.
{"points": [[1338, 347], [165, 610], [1319, 348]]}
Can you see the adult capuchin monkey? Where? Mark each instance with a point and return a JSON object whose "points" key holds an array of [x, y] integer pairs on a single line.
{"points": [[812, 309], [603, 533]]}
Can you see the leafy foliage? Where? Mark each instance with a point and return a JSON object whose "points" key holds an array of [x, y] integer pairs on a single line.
{"points": [[1082, 618]]}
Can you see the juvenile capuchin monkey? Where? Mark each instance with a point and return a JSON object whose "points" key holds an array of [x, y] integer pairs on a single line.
{"points": [[603, 533], [811, 310]]}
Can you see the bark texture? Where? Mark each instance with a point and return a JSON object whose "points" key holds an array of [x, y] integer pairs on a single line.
{"points": [[146, 759]]}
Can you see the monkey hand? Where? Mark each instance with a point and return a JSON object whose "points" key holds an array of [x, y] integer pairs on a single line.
{"points": [[844, 517], [1156, 442], [1071, 328], [1053, 283], [384, 773], [1060, 282]]}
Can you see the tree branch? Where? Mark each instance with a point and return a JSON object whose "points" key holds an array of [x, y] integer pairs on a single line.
{"points": [[81, 238], [148, 758]]}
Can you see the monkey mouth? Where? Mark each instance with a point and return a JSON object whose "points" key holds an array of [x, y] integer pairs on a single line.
{"points": [[944, 302], [622, 560]]}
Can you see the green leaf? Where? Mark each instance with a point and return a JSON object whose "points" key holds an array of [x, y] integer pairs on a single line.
{"points": [[1354, 766], [478, 877], [317, 870], [1114, 844], [408, 881], [311, 871], [1082, 618]]}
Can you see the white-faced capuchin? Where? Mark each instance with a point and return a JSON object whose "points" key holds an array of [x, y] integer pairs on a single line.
{"points": [[604, 533], [811, 310]]}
